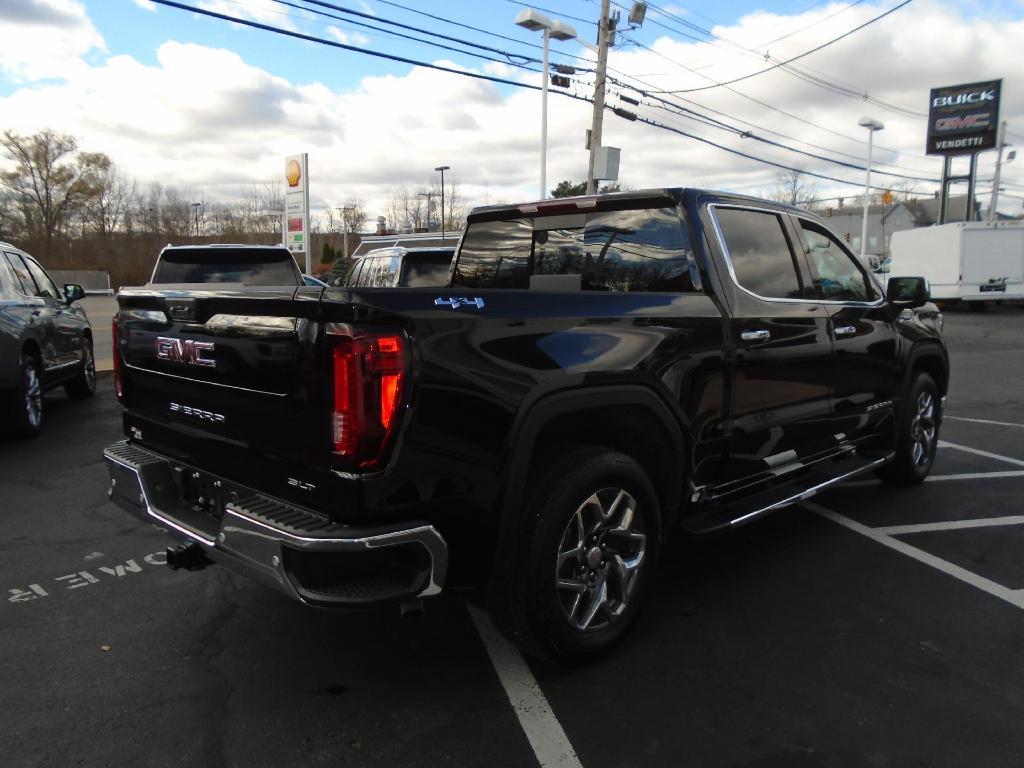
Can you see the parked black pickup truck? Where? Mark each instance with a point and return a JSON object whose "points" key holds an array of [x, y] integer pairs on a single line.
{"points": [[599, 372]]}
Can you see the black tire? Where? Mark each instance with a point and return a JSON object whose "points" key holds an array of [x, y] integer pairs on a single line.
{"points": [[917, 434], [25, 403], [612, 570], [84, 383]]}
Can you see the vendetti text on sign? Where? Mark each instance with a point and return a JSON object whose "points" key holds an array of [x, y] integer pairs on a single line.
{"points": [[962, 119]]}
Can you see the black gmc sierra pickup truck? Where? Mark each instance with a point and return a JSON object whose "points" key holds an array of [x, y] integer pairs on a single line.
{"points": [[598, 372]]}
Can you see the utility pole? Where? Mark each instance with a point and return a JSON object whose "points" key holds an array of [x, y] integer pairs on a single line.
{"points": [[603, 34], [1000, 143]]}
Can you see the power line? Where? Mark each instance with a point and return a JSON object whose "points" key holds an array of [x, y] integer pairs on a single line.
{"points": [[401, 35], [453, 22], [809, 75], [651, 91], [783, 166], [799, 55], [463, 73], [347, 47], [360, 14]]}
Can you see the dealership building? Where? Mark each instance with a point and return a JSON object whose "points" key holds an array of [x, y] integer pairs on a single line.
{"points": [[884, 219]]}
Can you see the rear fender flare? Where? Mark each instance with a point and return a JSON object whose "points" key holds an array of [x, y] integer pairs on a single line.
{"points": [[563, 403]]}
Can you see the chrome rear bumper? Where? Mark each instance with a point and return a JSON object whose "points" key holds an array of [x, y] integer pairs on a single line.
{"points": [[288, 548]]}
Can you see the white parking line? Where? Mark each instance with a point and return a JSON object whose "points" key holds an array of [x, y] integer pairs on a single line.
{"points": [[538, 721], [1013, 596], [984, 421], [975, 476], [951, 525], [979, 452]]}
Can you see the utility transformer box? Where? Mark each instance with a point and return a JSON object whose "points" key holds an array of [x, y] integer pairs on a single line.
{"points": [[964, 261]]}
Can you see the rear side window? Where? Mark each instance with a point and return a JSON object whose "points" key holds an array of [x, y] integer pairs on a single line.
{"points": [[425, 270], [251, 266], [759, 252], [25, 285], [645, 249]]}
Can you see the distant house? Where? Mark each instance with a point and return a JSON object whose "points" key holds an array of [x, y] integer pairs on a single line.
{"points": [[883, 220]]}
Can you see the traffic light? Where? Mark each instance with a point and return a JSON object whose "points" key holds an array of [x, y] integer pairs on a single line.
{"points": [[828, 211], [846, 237], [887, 197]]}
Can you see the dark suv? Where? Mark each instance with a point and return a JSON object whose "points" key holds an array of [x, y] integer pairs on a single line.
{"points": [[45, 341]]}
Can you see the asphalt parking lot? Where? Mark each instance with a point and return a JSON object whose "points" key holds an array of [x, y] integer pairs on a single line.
{"points": [[873, 627]]}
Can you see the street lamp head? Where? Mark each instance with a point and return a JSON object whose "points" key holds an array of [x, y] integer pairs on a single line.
{"points": [[870, 123], [443, 168], [533, 20], [559, 30]]}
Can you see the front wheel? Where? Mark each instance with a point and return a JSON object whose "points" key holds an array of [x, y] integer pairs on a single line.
{"points": [[588, 547], [84, 383], [917, 435]]}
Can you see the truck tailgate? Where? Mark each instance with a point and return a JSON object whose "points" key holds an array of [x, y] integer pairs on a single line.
{"points": [[239, 371]]}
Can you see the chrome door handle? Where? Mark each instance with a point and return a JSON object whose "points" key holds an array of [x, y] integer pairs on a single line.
{"points": [[760, 335], [845, 330]]}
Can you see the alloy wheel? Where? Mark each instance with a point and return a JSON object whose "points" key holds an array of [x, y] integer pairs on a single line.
{"points": [[599, 558], [33, 396], [922, 429], [89, 368]]}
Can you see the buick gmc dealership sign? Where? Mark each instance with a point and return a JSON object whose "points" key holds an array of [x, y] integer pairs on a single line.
{"points": [[962, 119]]}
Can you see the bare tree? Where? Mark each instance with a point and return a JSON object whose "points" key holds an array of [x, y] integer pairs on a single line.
{"points": [[353, 215], [51, 179], [456, 207], [792, 187], [107, 210]]}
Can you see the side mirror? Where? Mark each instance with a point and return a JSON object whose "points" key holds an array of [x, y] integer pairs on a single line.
{"points": [[73, 292], [909, 292]]}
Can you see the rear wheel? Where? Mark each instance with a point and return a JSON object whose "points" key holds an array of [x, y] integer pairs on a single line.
{"points": [[587, 550], [25, 406], [84, 383], [917, 435]]}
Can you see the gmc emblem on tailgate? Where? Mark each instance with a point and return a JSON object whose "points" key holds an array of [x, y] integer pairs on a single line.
{"points": [[185, 351]]}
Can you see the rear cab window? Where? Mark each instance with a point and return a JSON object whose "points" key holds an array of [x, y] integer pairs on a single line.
{"points": [[759, 253], [642, 249], [249, 266]]}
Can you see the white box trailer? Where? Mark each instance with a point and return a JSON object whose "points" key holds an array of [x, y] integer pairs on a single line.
{"points": [[964, 261]]}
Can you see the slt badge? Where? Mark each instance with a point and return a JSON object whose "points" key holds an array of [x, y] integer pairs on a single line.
{"points": [[459, 301]]}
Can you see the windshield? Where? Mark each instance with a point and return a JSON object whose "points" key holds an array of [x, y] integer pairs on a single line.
{"points": [[251, 266], [425, 270]]}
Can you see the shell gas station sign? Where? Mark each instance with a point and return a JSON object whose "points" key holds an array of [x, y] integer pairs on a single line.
{"points": [[296, 207]]}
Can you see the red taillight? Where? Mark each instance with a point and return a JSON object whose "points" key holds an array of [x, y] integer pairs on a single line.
{"points": [[369, 382], [116, 337]]}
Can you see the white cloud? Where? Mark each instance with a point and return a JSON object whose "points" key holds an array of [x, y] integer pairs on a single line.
{"points": [[204, 120], [44, 38], [146, 5], [348, 38]]}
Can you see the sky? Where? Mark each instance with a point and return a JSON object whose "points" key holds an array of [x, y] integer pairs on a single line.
{"points": [[210, 106]]}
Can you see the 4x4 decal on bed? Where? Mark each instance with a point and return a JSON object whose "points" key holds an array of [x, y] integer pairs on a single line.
{"points": [[458, 301]]}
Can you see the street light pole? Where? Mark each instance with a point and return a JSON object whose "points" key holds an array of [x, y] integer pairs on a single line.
{"points": [[872, 125], [1000, 143], [442, 169], [195, 210], [544, 118], [552, 30], [427, 195]]}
